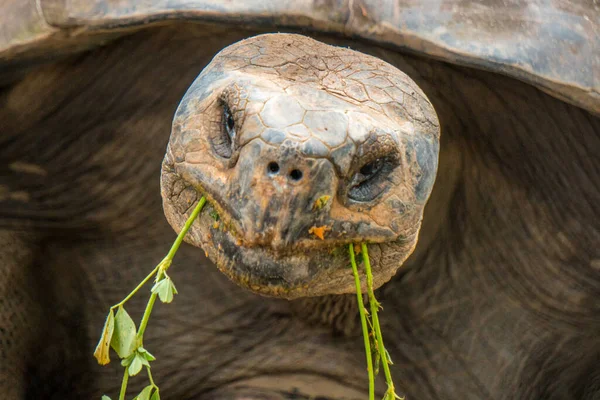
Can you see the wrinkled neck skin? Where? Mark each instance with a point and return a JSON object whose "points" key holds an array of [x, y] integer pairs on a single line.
{"points": [[498, 300], [301, 149]]}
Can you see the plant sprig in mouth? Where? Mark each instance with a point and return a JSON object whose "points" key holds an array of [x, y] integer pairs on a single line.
{"points": [[120, 333], [373, 339], [119, 330]]}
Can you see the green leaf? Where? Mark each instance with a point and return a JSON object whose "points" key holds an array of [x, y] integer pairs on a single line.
{"points": [[144, 361], [159, 287], [389, 359], [105, 397], [173, 287], [165, 289], [146, 354], [378, 305], [136, 364], [102, 349], [166, 295], [123, 340], [127, 361], [149, 356], [145, 393], [155, 396], [390, 394]]}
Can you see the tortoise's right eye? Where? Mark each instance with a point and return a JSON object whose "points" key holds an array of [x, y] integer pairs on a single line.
{"points": [[228, 123], [224, 141]]}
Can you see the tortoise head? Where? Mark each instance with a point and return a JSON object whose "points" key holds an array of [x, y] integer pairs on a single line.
{"points": [[301, 148]]}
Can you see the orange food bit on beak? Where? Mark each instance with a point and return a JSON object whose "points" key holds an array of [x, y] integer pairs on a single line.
{"points": [[319, 231]]}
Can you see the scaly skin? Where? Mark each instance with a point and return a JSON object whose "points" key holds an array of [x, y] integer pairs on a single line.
{"points": [[320, 112], [498, 301]]}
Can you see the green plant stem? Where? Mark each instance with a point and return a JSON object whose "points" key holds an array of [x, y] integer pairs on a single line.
{"points": [[145, 318], [150, 378], [183, 232], [363, 321], [137, 288], [374, 305], [165, 264], [124, 384], [160, 272]]}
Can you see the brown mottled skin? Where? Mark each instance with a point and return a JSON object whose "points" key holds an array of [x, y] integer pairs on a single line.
{"points": [[277, 122], [498, 300]]}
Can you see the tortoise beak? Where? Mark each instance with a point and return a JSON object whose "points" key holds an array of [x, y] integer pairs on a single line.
{"points": [[273, 192]]}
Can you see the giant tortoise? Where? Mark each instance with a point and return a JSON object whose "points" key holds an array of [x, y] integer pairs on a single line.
{"points": [[498, 300]]}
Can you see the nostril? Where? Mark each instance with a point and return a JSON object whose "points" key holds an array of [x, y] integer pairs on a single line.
{"points": [[273, 167], [296, 174]]}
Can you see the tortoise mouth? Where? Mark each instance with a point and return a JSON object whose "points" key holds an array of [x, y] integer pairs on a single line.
{"points": [[304, 267], [309, 267], [294, 271], [225, 225]]}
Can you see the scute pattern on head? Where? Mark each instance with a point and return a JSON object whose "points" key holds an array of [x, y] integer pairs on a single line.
{"points": [[350, 75], [314, 78], [311, 120]]}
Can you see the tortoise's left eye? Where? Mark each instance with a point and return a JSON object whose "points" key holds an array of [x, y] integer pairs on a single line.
{"points": [[371, 180], [371, 169]]}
